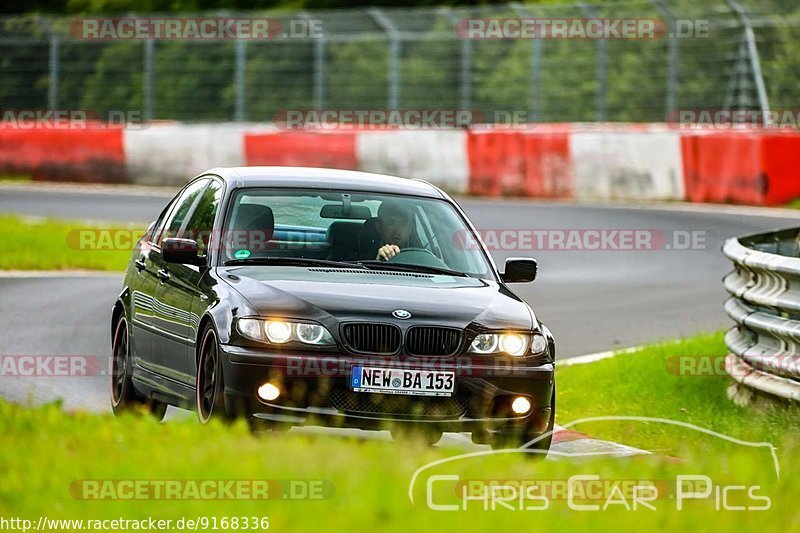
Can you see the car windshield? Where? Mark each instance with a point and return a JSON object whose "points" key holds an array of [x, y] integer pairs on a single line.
{"points": [[311, 228]]}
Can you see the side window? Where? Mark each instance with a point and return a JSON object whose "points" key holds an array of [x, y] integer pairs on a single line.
{"points": [[158, 226], [202, 220], [183, 205]]}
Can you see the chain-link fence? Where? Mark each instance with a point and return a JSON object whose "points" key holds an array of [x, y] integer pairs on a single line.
{"points": [[717, 54]]}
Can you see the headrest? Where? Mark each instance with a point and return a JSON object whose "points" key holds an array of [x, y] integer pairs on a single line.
{"points": [[343, 234], [254, 225], [368, 237]]}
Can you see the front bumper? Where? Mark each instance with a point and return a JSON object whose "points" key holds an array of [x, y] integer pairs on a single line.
{"points": [[315, 389]]}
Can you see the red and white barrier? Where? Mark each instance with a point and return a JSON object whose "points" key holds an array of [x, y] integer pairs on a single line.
{"points": [[745, 167], [438, 156], [172, 153], [583, 161], [627, 165], [520, 163], [301, 148], [92, 154]]}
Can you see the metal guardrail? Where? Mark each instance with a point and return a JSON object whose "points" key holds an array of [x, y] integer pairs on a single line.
{"points": [[765, 304]]}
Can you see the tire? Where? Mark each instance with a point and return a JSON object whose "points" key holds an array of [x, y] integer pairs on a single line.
{"points": [[124, 398], [210, 384], [544, 444]]}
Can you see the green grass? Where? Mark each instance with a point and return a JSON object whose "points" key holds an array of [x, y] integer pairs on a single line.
{"points": [[648, 383], [43, 451], [49, 244], [794, 204], [15, 178]]}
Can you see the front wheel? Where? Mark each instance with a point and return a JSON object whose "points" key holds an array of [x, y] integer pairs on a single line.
{"points": [[124, 397], [210, 382]]}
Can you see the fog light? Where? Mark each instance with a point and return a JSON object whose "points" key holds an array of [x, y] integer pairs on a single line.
{"points": [[521, 405], [268, 392]]}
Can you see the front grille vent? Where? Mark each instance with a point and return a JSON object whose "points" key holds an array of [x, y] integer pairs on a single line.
{"points": [[378, 339], [400, 406], [427, 341]]}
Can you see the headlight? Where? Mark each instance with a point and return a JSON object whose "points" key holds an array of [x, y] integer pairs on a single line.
{"points": [[278, 332], [284, 331], [538, 344], [485, 343], [514, 344], [310, 333]]}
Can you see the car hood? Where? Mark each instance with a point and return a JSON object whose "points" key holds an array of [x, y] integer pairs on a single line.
{"points": [[327, 295]]}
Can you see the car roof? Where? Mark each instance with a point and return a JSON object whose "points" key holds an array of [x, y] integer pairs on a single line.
{"points": [[324, 178]]}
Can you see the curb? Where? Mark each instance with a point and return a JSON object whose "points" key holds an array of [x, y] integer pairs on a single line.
{"points": [[599, 356], [567, 442]]}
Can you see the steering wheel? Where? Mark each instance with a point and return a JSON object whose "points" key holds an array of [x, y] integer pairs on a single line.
{"points": [[418, 256]]}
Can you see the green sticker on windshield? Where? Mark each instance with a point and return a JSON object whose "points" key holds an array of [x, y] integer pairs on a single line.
{"points": [[242, 254]]}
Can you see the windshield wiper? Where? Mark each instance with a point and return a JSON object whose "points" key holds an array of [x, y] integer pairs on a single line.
{"points": [[290, 261], [408, 267], [366, 265]]}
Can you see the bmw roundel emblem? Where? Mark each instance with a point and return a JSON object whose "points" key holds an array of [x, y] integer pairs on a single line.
{"points": [[402, 314]]}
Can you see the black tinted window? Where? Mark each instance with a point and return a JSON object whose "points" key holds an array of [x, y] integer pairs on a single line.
{"points": [[202, 220], [181, 209]]}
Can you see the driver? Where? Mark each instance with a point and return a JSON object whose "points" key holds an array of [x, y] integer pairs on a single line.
{"points": [[394, 225]]}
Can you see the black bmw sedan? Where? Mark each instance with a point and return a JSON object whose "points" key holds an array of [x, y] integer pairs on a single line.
{"points": [[292, 296]]}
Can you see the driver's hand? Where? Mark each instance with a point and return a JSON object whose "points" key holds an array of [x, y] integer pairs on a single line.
{"points": [[387, 251]]}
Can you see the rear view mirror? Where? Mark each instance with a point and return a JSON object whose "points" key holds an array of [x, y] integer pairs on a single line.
{"points": [[352, 212], [520, 270], [181, 251]]}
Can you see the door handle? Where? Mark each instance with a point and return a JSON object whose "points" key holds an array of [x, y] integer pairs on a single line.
{"points": [[140, 264], [163, 275]]}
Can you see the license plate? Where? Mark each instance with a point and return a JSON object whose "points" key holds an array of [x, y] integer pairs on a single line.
{"points": [[395, 381]]}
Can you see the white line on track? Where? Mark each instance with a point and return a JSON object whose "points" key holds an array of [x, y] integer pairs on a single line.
{"points": [[168, 192], [92, 188], [594, 357], [22, 274], [684, 207]]}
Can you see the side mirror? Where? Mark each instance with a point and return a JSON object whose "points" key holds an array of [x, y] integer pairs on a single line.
{"points": [[520, 270], [181, 251]]}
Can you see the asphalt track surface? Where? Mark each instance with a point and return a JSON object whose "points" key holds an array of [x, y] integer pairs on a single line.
{"points": [[592, 300]]}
